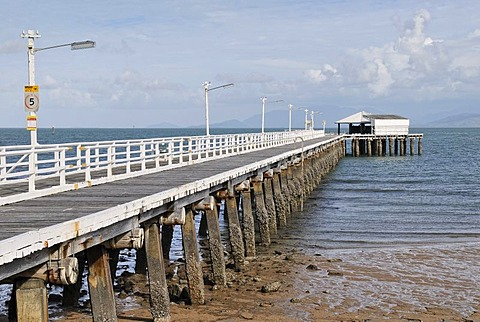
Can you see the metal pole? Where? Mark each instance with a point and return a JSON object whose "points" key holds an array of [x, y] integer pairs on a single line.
{"points": [[290, 106], [207, 125], [31, 74], [264, 99], [311, 120], [306, 119]]}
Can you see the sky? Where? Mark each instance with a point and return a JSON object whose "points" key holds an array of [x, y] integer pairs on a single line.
{"points": [[418, 59]]}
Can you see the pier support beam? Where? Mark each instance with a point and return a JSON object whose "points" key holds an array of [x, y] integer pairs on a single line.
{"points": [[100, 285], [412, 146], [193, 266], [214, 240], [285, 189], [261, 211], [419, 147], [280, 206], [159, 298], [269, 202], [369, 147], [31, 300], [248, 221], [235, 232], [390, 145]]}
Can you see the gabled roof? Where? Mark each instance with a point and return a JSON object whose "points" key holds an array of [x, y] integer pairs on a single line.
{"points": [[360, 117], [364, 117]]}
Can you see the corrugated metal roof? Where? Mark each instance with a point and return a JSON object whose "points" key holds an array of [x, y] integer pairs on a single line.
{"points": [[365, 117], [360, 117]]}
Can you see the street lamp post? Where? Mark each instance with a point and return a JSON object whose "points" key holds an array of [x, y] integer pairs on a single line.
{"points": [[290, 107], [311, 118], [306, 119], [32, 103], [205, 87], [264, 100]]}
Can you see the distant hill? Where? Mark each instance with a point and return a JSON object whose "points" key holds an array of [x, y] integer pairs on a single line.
{"points": [[459, 120], [164, 125]]}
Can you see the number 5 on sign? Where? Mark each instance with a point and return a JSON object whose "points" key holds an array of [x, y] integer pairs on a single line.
{"points": [[31, 101]]}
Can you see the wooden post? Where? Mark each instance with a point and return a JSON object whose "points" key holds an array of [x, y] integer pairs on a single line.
{"points": [[412, 147], [369, 147], [215, 244], [261, 211], [167, 237], [141, 261], [269, 202], [357, 147], [248, 222], [419, 147], [193, 266], [159, 298], [285, 189], [390, 143], [31, 300], [402, 146], [396, 146], [100, 285], [236, 238], [279, 199]]}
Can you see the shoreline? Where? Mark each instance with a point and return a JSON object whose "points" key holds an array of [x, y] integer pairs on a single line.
{"points": [[409, 284]]}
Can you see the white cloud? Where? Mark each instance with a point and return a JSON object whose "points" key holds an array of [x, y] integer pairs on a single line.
{"points": [[414, 61]]}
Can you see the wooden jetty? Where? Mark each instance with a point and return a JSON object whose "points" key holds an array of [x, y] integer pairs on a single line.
{"points": [[62, 204], [382, 145]]}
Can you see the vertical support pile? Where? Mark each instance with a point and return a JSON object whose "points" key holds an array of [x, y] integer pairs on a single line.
{"points": [[260, 209], [193, 266], [100, 285], [159, 298]]}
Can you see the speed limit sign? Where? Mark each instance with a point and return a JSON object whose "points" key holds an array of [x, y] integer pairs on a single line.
{"points": [[31, 100]]}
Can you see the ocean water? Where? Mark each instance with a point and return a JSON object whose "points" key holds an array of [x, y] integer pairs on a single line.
{"points": [[398, 200]]}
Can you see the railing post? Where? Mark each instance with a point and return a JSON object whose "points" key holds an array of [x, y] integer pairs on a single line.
{"points": [[61, 163], [128, 157], [88, 167], [190, 150], [32, 169], [109, 161], [143, 155], [181, 151], [170, 152], [3, 165]]}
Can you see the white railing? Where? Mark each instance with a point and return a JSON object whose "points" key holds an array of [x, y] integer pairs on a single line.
{"points": [[42, 170]]}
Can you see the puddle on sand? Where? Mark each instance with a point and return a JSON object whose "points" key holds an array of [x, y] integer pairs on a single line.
{"points": [[397, 279]]}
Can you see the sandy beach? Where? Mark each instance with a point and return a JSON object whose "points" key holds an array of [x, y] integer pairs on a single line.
{"points": [[424, 283]]}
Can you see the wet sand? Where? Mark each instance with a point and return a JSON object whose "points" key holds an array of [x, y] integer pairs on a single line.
{"points": [[429, 283]]}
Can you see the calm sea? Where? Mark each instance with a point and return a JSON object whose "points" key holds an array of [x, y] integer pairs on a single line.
{"points": [[366, 201]]}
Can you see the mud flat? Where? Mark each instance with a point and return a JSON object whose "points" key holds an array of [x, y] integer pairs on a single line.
{"points": [[422, 283]]}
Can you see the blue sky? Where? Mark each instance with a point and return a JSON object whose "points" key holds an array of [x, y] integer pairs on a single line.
{"points": [[419, 59]]}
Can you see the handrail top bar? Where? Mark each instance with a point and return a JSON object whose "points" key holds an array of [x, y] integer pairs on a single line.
{"points": [[147, 140]]}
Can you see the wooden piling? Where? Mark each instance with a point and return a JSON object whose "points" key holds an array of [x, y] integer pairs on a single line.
{"points": [[280, 206], [159, 298], [369, 147], [285, 189], [419, 146], [248, 223], [269, 202], [260, 210], [236, 238], [31, 300], [390, 143], [215, 245], [412, 147], [193, 266], [100, 285], [167, 237]]}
